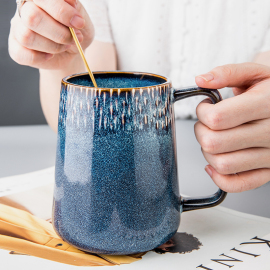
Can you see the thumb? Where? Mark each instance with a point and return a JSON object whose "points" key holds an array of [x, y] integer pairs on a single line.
{"points": [[233, 75]]}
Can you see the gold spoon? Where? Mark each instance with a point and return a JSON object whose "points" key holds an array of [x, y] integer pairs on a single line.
{"points": [[83, 56]]}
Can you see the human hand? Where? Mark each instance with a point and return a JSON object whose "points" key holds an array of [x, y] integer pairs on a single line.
{"points": [[41, 37], [235, 133]]}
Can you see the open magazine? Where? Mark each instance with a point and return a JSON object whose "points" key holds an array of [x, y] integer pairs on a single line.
{"points": [[229, 239], [32, 192], [254, 253]]}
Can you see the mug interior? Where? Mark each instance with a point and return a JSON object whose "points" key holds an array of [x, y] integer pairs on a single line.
{"points": [[117, 80]]}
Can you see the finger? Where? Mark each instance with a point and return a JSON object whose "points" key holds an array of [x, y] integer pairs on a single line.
{"points": [[24, 56], [88, 31], [233, 75], [34, 41], [232, 112], [41, 23], [239, 161], [62, 12], [252, 134], [241, 181]]}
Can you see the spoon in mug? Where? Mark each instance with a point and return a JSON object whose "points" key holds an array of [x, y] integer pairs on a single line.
{"points": [[83, 56]]}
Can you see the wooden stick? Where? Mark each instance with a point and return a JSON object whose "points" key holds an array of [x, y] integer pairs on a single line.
{"points": [[82, 55]]}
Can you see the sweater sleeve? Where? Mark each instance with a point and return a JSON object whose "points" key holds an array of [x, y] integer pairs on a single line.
{"points": [[98, 12]]}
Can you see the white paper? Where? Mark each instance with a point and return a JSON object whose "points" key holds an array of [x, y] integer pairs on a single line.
{"points": [[19, 183], [251, 254]]}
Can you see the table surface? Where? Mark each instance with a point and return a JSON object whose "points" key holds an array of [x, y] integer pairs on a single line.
{"points": [[29, 148], [219, 229]]}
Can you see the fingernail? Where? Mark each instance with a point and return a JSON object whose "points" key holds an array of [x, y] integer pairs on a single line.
{"points": [[208, 170], [207, 77], [49, 56], [77, 22]]}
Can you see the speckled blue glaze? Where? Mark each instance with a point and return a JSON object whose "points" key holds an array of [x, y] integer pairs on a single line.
{"points": [[116, 188]]}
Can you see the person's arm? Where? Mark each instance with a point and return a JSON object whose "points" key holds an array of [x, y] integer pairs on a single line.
{"points": [[41, 39], [100, 56]]}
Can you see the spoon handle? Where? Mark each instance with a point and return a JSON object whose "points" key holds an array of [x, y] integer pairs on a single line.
{"points": [[82, 55]]}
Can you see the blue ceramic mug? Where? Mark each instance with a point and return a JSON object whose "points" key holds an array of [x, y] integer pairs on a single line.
{"points": [[116, 188]]}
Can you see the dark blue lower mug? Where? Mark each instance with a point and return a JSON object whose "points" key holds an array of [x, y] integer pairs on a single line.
{"points": [[116, 189]]}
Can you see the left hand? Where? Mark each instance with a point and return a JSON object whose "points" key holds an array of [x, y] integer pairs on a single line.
{"points": [[235, 133]]}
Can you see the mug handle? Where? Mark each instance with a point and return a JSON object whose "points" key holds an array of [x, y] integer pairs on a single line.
{"points": [[195, 203]]}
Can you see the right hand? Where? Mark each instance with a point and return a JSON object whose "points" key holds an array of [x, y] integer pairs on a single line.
{"points": [[41, 37]]}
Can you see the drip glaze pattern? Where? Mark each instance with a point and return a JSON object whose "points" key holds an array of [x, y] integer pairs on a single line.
{"points": [[114, 109]]}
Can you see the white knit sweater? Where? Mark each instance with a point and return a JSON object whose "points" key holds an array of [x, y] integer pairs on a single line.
{"points": [[182, 38]]}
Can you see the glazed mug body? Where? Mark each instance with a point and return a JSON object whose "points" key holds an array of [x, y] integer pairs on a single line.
{"points": [[116, 189]]}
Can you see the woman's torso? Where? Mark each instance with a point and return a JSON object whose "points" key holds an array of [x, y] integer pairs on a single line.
{"points": [[182, 39]]}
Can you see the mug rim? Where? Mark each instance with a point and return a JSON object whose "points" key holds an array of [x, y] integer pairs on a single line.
{"points": [[66, 83]]}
